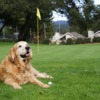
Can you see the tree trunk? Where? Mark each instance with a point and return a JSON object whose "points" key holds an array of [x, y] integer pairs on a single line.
{"points": [[24, 31], [2, 27]]}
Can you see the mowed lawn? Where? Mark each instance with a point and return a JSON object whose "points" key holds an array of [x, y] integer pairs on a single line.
{"points": [[75, 68]]}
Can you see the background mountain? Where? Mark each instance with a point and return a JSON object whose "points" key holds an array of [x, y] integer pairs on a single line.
{"points": [[61, 26]]}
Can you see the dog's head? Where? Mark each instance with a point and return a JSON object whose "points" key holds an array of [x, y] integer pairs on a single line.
{"points": [[20, 50]]}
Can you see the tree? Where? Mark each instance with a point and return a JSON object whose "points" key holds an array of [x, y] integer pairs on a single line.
{"points": [[22, 13], [96, 25], [80, 13]]}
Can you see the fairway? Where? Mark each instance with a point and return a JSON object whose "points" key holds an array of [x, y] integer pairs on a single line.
{"points": [[75, 68]]}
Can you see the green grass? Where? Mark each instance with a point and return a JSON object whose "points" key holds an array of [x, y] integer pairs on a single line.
{"points": [[75, 68]]}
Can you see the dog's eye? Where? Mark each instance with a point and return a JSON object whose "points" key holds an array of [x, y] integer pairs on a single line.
{"points": [[19, 46]]}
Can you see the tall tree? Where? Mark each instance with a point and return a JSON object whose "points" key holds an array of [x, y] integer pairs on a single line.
{"points": [[96, 25], [23, 14], [79, 12]]}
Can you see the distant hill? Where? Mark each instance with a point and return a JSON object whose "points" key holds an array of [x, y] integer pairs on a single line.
{"points": [[62, 25]]}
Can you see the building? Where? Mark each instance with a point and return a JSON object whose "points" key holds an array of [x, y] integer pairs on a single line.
{"points": [[91, 34], [58, 38]]}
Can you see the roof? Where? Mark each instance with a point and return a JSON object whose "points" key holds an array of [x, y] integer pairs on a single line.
{"points": [[97, 33], [72, 34], [75, 34]]}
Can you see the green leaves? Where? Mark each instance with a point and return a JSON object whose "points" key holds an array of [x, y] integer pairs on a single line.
{"points": [[23, 13], [81, 14]]}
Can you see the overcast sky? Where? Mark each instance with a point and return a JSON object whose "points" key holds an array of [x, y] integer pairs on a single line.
{"points": [[58, 16]]}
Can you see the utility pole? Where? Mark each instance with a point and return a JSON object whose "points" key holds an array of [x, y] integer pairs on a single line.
{"points": [[59, 27]]}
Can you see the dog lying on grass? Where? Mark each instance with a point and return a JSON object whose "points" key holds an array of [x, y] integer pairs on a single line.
{"points": [[16, 69]]}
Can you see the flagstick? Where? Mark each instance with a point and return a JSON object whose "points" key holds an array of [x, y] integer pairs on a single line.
{"points": [[38, 33]]}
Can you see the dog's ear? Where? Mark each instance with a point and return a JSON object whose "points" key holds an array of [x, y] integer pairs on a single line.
{"points": [[12, 54]]}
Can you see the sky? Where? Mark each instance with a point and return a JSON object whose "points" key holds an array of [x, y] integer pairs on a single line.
{"points": [[58, 16]]}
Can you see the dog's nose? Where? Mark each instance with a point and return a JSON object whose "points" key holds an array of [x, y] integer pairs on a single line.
{"points": [[27, 48]]}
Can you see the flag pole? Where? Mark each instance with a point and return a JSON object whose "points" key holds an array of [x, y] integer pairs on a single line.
{"points": [[38, 18], [38, 34]]}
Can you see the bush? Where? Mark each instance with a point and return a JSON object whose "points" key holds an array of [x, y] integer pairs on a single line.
{"points": [[46, 41], [87, 40], [79, 41], [96, 39], [70, 41], [6, 40]]}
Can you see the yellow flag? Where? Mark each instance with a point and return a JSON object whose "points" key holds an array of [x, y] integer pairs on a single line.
{"points": [[38, 14]]}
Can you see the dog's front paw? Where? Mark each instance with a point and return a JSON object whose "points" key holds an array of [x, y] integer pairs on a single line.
{"points": [[44, 75], [48, 76], [16, 86], [45, 86]]}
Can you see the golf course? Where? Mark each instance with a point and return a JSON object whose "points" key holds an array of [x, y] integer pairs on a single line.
{"points": [[75, 70]]}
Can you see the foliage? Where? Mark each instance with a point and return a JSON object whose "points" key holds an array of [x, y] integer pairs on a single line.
{"points": [[6, 40], [79, 41], [96, 25], [46, 41], [82, 14], [87, 40], [96, 39], [22, 13], [69, 41]]}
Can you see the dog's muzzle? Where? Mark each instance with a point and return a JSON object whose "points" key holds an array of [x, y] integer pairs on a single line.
{"points": [[27, 53]]}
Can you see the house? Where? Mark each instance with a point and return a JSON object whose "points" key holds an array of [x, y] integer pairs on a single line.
{"points": [[74, 35], [58, 38], [97, 34], [91, 34]]}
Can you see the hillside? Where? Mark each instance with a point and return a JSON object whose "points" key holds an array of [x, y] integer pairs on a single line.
{"points": [[61, 25]]}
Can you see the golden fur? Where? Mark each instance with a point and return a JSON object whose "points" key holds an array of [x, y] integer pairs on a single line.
{"points": [[15, 70]]}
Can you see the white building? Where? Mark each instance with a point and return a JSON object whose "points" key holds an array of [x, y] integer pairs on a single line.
{"points": [[58, 38], [91, 34]]}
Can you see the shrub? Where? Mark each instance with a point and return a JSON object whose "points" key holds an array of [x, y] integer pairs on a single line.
{"points": [[70, 41], [79, 41], [46, 41], [96, 39], [6, 40], [87, 40]]}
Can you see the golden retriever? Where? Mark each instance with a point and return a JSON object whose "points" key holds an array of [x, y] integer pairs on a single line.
{"points": [[16, 69]]}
